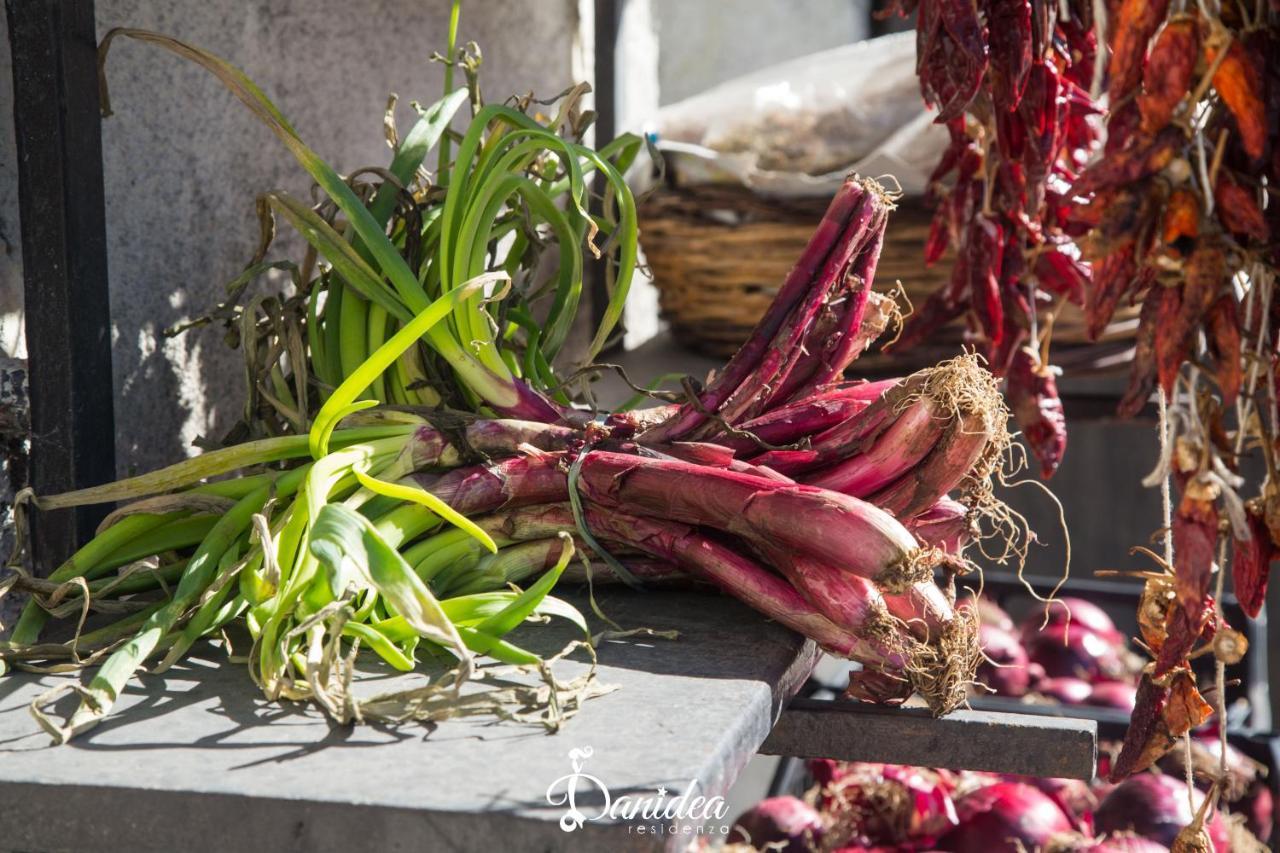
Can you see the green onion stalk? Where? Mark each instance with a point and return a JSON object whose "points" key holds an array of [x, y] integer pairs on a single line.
{"points": [[304, 558], [381, 253]]}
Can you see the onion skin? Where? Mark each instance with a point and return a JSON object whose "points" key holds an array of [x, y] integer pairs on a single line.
{"points": [[1005, 818], [786, 824], [1073, 796]]}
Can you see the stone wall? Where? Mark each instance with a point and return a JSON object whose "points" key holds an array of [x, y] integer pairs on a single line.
{"points": [[183, 163]]}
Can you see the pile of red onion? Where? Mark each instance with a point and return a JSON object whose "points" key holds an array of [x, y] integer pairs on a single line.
{"points": [[1070, 652], [884, 808]]}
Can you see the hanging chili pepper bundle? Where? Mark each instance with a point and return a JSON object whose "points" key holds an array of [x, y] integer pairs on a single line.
{"points": [[1174, 212], [1186, 230], [1009, 80]]}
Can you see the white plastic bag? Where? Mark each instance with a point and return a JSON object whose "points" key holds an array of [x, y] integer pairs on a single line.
{"points": [[797, 128]]}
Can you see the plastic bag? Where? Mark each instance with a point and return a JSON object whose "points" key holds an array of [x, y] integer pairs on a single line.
{"points": [[797, 128]]}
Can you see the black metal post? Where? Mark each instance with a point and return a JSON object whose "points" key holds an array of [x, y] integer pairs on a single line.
{"points": [[53, 46], [608, 17]]}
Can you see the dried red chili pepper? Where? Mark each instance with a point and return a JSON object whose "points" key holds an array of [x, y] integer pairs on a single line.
{"points": [[964, 23], [936, 312], [1090, 214], [1204, 275], [935, 245], [1014, 299], [1016, 311], [1011, 193], [1171, 349], [1132, 164], [1183, 629], [1043, 19], [960, 147], [1112, 278], [1142, 371], [984, 246], [1130, 27], [1238, 210], [1042, 111], [1033, 397], [1181, 224], [951, 55], [1063, 275], [1011, 134], [1162, 714], [1123, 126], [1009, 24], [1169, 73], [1131, 218], [1080, 133], [1195, 539], [1251, 563], [1223, 331], [1082, 46], [1238, 82]]}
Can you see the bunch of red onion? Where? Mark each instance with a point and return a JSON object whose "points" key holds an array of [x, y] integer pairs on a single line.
{"points": [[823, 503]]}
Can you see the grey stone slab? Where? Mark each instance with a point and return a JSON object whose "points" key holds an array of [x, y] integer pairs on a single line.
{"points": [[196, 760]]}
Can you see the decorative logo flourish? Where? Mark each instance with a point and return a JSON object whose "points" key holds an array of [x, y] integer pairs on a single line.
{"points": [[657, 807]]}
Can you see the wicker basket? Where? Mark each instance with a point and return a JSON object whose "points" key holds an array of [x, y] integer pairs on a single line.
{"points": [[719, 253]]}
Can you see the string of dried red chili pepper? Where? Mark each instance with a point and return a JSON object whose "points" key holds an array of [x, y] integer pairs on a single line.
{"points": [[1007, 78]]}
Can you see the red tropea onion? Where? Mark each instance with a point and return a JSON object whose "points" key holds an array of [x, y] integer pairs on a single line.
{"points": [[1073, 796], [945, 525], [1075, 652], [1120, 695], [1077, 612], [1006, 817], [1068, 691], [990, 613], [785, 824], [1156, 807], [1006, 667], [933, 811]]}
